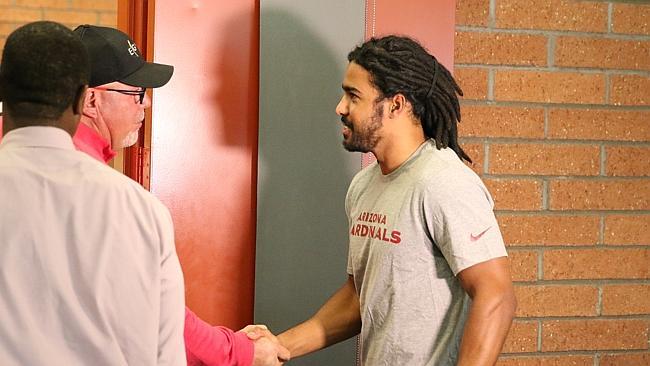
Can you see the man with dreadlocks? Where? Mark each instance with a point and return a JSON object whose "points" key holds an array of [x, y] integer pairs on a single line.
{"points": [[428, 278]]}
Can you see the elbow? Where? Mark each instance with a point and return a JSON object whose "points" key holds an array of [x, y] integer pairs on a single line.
{"points": [[508, 302], [503, 305]]}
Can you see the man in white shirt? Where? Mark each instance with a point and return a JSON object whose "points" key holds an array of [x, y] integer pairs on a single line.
{"points": [[88, 271]]}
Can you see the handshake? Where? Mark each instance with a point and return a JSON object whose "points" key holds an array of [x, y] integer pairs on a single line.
{"points": [[268, 350]]}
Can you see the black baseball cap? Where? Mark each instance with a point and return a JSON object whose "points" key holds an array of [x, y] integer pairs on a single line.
{"points": [[115, 57]]}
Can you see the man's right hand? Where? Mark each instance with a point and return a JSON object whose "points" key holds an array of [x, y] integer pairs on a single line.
{"points": [[268, 351]]}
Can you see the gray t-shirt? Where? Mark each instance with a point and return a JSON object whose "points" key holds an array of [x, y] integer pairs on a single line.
{"points": [[411, 232]]}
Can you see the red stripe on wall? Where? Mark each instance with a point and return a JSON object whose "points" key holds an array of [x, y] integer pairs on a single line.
{"points": [[432, 23]]}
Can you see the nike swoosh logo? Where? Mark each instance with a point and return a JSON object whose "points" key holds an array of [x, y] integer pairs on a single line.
{"points": [[476, 237]]}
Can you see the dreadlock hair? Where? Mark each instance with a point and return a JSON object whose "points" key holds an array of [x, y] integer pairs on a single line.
{"points": [[400, 65], [44, 68]]}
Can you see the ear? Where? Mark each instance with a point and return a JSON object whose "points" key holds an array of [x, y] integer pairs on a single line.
{"points": [[89, 105], [397, 105], [80, 96]]}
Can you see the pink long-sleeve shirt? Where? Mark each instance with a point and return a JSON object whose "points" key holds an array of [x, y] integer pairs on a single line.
{"points": [[212, 346]]}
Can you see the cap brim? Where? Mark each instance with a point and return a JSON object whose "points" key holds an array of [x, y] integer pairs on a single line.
{"points": [[150, 75]]}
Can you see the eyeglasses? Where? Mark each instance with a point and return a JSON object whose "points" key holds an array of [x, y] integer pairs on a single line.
{"points": [[139, 93]]}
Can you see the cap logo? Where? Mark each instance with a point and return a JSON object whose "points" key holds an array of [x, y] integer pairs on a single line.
{"points": [[133, 50]]}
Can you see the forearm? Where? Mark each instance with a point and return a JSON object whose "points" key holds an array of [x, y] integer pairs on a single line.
{"points": [[486, 329], [304, 338], [209, 346], [336, 321]]}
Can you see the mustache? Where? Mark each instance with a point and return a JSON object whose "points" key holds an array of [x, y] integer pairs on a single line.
{"points": [[346, 122]]}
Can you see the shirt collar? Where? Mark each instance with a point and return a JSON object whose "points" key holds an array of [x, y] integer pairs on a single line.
{"points": [[89, 141], [38, 136]]}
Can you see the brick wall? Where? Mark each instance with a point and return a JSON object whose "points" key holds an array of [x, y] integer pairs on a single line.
{"points": [[14, 13], [556, 115]]}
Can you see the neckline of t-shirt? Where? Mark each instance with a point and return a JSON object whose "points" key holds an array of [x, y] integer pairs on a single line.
{"points": [[413, 157]]}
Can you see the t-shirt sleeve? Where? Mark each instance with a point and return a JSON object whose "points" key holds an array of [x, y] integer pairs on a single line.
{"points": [[459, 214]]}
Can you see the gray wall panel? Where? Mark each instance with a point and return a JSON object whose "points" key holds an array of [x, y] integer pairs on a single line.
{"points": [[303, 170]]}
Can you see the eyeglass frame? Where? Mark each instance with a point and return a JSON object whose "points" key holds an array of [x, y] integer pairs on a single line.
{"points": [[141, 93]]}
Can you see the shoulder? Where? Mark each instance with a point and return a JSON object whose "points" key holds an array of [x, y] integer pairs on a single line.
{"points": [[363, 178], [113, 183], [444, 177], [365, 174]]}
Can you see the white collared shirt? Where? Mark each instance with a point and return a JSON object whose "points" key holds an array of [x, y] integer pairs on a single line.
{"points": [[88, 268]]}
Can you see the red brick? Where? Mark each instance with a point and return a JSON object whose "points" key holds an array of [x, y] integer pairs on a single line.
{"points": [[472, 12], [568, 15], [599, 124], [523, 265], [574, 335], [549, 230], [542, 301], [495, 121], [544, 159], [94, 4], [13, 15], [476, 152], [43, 3], [628, 161], [630, 90], [515, 194], [500, 49], [546, 361], [549, 87], [522, 337], [71, 17], [627, 229], [620, 194], [472, 81], [631, 19], [108, 19], [626, 299], [7, 28], [602, 53], [565, 264], [627, 359]]}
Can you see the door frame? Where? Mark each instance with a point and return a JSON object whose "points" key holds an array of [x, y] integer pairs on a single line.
{"points": [[136, 18]]}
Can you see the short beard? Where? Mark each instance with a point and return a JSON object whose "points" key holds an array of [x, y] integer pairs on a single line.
{"points": [[366, 138], [130, 139]]}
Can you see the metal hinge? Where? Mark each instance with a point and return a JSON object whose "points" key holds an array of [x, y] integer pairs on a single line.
{"points": [[144, 166]]}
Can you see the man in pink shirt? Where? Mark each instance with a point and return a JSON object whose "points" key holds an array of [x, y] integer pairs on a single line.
{"points": [[113, 112]]}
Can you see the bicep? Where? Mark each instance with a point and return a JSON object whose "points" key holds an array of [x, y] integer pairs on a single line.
{"points": [[489, 277]]}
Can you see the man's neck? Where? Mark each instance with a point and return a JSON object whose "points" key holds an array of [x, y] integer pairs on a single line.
{"points": [[393, 151], [9, 124], [88, 140], [99, 128]]}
